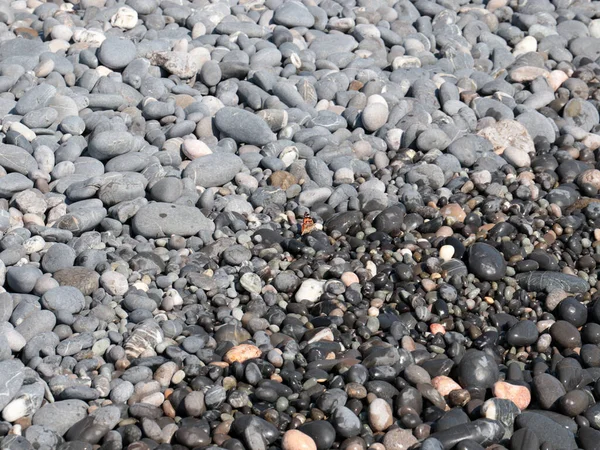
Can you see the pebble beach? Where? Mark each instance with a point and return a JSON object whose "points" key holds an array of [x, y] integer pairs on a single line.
{"points": [[299, 225]]}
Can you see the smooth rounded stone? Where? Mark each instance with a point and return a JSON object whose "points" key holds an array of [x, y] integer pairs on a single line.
{"points": [[22, 279], [588, 438], [167, 190], [486, 262], [254, 430], [58, 256], [574, 402], [60, 415], [194, 403], [214, 170], [293, 14], [114, 283], [35, 98], [143, 7], [546, 430], [537, 125], [477, 369], [321, 432], [574, 312], [581, 113], [522, 334], [552, 281], [121, 392], [93, 428], [390, 220], [431, 444], [501, 410], [108, 144], [374, 116], [519, 395], [483, 431], [210, 73], [37, 322], [74, 125], [84, 279], [516, 157], [40, 437], [79, 221], [430, 174], [192, 437], [380, 415], [399, 439], [242, 353], [243, 126], [64, 298], [524, 439], [236, 255], [251, 282], [156, 220], [11, 380], [13, 183], [121, 189], [433, 139], [565, 334], [116, 53], [297, 440], [40, 118], [71, 346], [310, 290], [548, 390], [346, 423], [415, 374], [145, 335]]}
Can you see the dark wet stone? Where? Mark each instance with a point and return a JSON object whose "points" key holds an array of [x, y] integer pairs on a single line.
{"points": [[346, 423], [321, 431], [524, 439], [522, 334], [343, 222], [486, 262], [548, 390], [477, 369], [565, 334], [482, 431], [550, 281], [588, 438], [546, 430], [573, 311], [390, 220]]}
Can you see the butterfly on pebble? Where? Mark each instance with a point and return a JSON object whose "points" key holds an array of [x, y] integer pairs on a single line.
{"points": [[308, 224]]}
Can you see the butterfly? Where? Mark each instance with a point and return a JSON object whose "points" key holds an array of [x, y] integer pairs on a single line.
{"points": [[308, 224]]}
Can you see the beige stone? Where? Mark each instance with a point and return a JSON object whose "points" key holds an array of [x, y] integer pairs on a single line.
{"points": [[505, 133], [380, 415], [193, 148], [444, 385], [556, 78], [447, 252], [241, 353], [454, 211], [527, 73], [399, 439], [349, 278], [519, 395], [591, 176], [297, 440]]}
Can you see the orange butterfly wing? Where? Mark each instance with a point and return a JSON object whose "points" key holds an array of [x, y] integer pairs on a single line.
{"points": [[308, 224]]}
